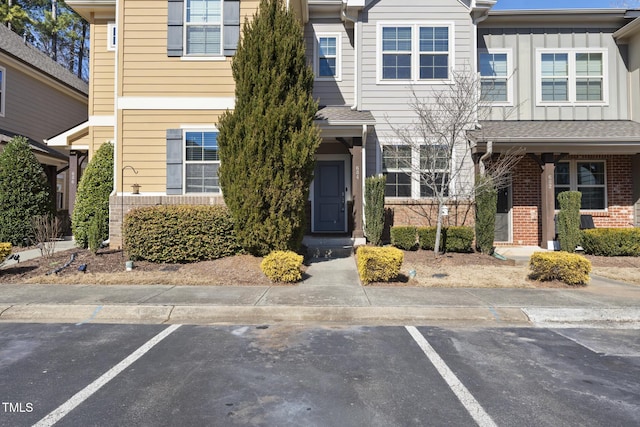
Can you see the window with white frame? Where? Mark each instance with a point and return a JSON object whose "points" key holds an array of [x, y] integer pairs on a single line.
{"points": [[203, 27], [3, 77], [433, 170], [413, 172], [572, 76], [585, 176], [494, 76], [396, 166], [328, 57], [201, 162], [420, 52], [112, 36]]}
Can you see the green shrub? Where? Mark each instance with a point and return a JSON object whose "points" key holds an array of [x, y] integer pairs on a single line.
{"points": [[282, 266], [93, 195], [171, 233], [5, 250], [374, 208], [96, 231], [24, 192], [427, 238], [569, 220], [404, 237], [377, 264], [611, 241], [572, 269], [486, 204], [458, 239]]}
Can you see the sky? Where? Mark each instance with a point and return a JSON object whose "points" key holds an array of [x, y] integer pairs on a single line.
{"points": [[553, 4]]}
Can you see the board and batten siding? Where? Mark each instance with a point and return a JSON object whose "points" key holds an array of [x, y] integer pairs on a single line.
{"points": [[36, 109], [524, 43], [101, 84], [332, 92]]}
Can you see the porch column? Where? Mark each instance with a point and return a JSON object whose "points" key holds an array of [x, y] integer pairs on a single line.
{"points": [[73, 179], [547, 195], [356, 187]]}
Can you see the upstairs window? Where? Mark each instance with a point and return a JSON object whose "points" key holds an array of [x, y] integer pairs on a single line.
{"points": [[574, 76], [494, 77], [203, 27], [328, 57]]}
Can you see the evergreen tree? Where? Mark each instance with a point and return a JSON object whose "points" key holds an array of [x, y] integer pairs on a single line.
{"points": [[24, 191], [93, 196], [268, 143]]}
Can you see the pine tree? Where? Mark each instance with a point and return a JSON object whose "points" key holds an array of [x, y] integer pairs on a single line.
{"points": [[268, 143], [24, 191], [93, 195]]}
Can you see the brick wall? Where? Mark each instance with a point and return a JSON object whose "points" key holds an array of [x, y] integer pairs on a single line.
{"points": [[424, 213], [526, 223]]}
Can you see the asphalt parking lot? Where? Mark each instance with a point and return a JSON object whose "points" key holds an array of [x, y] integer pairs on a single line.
{"points": [[283, 375]]}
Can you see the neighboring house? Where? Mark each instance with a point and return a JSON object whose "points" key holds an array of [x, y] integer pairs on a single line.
{"points": [[161, 77], [38, 98]]}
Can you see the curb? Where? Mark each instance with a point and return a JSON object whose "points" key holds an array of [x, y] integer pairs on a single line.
{"points": [[572, 317]]}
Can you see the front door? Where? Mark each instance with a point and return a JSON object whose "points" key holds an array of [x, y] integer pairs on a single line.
{"points": [[329, 197], [503, 216]]}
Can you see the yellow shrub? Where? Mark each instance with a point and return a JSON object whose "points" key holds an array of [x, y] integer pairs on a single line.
{"points": [[377, 264], [5, 250], [572, 269], [282, 266]]}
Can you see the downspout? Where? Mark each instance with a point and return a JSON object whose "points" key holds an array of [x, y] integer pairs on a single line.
{"points": [[116, 142], [345, 16], [485, 156], [365, 132]]}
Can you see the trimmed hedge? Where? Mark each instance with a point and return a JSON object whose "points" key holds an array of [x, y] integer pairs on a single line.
{"points": [[572, 269], [376, 264], [282, 266], [569, 220], [453, 239], [5, 250], [404, 237], [181, 234], [611, 241]]}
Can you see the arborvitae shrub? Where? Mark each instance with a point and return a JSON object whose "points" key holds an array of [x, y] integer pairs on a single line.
{"points": [[486, 204], [171, 233], [268, 142], [374, 208], [572, 269], [569, 220], [282, 266], [93, 195], [24, 192], [377, 264], [404, 237], [95, 234], [611, 241]]}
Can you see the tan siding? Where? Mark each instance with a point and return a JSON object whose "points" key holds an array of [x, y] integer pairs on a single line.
{"points": [[102, 73]]}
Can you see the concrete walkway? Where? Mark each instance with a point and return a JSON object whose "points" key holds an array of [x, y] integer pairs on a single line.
{"points": [[329, 293]]}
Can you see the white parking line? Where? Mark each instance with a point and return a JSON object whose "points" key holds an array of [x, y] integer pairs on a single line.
{"points": [[466, 398], [62, 410]]}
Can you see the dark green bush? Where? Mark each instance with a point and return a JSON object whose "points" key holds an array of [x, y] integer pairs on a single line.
{"points": [[374, 208], [569, 220], [93, 195], [458, 239], [611, 241], [179, 233], [486, 203], [24, 192], [96, 230], [404, 237], [427, 238]]}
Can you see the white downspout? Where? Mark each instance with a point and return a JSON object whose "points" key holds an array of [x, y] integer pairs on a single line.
{"points": [[485, 156], [365, 133], [355, 52]]}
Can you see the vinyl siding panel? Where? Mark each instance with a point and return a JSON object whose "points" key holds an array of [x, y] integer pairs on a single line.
{"points": [[634, 79], [524, 44], [101, 84]]}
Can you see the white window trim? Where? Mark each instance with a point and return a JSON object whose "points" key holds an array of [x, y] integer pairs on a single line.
{"points": [[510, 75], [3, 90], [206, 129], [112, 34], [193, 57], [316, 57], [415, 52], [573, 181], [572, 77]]}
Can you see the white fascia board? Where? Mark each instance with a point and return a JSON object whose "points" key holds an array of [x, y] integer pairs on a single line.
{"points": [[175, 103]]}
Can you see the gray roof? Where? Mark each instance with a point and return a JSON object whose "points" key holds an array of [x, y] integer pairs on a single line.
{"points": [[557, 131], [13, 45], [6, 136], [344, 115]]}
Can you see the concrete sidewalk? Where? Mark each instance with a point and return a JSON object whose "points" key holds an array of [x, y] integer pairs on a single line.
{"points": [[330, 293]]}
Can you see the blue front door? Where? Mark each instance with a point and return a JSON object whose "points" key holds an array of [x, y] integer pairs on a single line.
{"points": [[329, 197]]}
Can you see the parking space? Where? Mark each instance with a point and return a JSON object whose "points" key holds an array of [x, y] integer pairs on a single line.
{"points": [[323, 376]]}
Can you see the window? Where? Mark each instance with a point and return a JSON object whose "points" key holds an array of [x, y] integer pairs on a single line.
{"points": [[201, 162], [574, 76], [203, 27], [494, 77], [2, 90], [415, 52], [327, 57], [434, 161], [587, 177], [112, 36], [405, 178], [396, 165]]}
